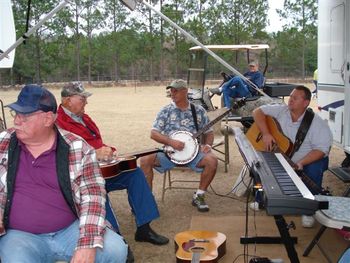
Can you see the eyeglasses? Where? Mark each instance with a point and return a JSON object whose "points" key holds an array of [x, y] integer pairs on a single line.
{"points": [[22, 116]]}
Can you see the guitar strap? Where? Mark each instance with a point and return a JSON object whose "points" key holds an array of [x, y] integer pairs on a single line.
{"points": [[194, 114], [302, 131]]}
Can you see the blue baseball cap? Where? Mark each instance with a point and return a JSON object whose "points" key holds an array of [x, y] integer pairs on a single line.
{"points": [[33, 98]]}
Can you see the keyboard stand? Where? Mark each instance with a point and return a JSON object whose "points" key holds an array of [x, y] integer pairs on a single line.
{"points": [[284, 238], [287, 239]]}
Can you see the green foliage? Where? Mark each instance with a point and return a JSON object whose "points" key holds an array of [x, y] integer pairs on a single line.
{"points": [[102, 40], [301, 16]]}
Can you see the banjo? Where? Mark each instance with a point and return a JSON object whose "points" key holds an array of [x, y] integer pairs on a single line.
{"points": [[191, 149]]}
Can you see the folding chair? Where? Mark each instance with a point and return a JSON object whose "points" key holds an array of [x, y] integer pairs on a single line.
{"points": [[169, 182], [337, 216]]}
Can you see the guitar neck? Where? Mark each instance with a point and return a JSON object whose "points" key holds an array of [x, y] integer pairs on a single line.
{"points": [[143, 153], [211, 123], [196, 257], [306, 180]]}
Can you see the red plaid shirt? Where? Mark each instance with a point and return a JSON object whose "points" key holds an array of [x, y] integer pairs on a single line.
{"points": [[87, 185]]}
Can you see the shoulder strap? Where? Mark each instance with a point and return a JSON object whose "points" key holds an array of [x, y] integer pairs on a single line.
{"points": [[194, 114], [303, 129]]}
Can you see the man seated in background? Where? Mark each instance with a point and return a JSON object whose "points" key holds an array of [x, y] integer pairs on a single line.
{"points": [[52, 194], [71, 116], [179, 116], [312, 155], [236, 87]]}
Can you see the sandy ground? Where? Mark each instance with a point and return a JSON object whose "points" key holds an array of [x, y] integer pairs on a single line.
{"points": [[125, 116]]}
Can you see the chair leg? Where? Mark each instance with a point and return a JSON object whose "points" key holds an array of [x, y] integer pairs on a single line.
{"points": [[164, 184], [314, 241], [227, 150]]}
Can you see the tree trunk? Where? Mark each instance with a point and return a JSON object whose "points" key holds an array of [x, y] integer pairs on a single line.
{"points": [[161, 67], [77, 44], [38, 61], [89, 35], [151, 44]]}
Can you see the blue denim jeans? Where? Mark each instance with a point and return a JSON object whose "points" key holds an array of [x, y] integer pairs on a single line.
{"points": [[234, 88], [345, 258], [140, 197], [18, 246], [316, 169]]}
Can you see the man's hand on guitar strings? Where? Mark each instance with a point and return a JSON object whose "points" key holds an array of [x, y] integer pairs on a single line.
{"points": [[269, 141], [299, 166]]}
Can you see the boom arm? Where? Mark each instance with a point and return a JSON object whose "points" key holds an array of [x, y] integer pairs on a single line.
{"points": [[32, 30]]}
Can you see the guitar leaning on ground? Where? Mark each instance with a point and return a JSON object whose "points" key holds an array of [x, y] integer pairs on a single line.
{"points": [[200, 246], [124, 163], [283, 145]]}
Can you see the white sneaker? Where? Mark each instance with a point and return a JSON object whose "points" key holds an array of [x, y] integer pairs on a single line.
{"points": [[254, 206], [307, 221]]}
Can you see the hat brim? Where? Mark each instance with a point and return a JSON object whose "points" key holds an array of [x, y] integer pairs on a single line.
{"points": [[85, 94], [169, 87], [21, 109]]}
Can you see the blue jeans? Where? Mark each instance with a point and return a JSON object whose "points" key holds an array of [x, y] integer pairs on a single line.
{"points": [[345, 258], [141, 199], [18, 246], [234, 88], [316, 169]]}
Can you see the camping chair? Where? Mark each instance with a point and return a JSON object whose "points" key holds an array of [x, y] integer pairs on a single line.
{"points": [[169, 182], [337, 216]]}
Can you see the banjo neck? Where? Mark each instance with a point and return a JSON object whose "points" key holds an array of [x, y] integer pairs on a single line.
{"points": [[211, 123]]}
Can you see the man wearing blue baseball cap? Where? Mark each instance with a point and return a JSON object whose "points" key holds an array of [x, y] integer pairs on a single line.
{"points": [[52, 195]]}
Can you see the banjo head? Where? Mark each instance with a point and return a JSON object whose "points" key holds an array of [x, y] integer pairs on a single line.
{"points": [[190, 150]]}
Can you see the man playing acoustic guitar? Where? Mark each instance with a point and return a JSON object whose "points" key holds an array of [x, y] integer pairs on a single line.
{"points": [[178, 116], [71, 116], [312, 155]]}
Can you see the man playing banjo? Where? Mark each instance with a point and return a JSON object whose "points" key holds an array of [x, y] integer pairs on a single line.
{"points": [[174, 127]]}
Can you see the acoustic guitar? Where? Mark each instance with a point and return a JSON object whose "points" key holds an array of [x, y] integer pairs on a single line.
{"points": [[284, 146], [200, 246], [123, 163], [255, 137]]}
